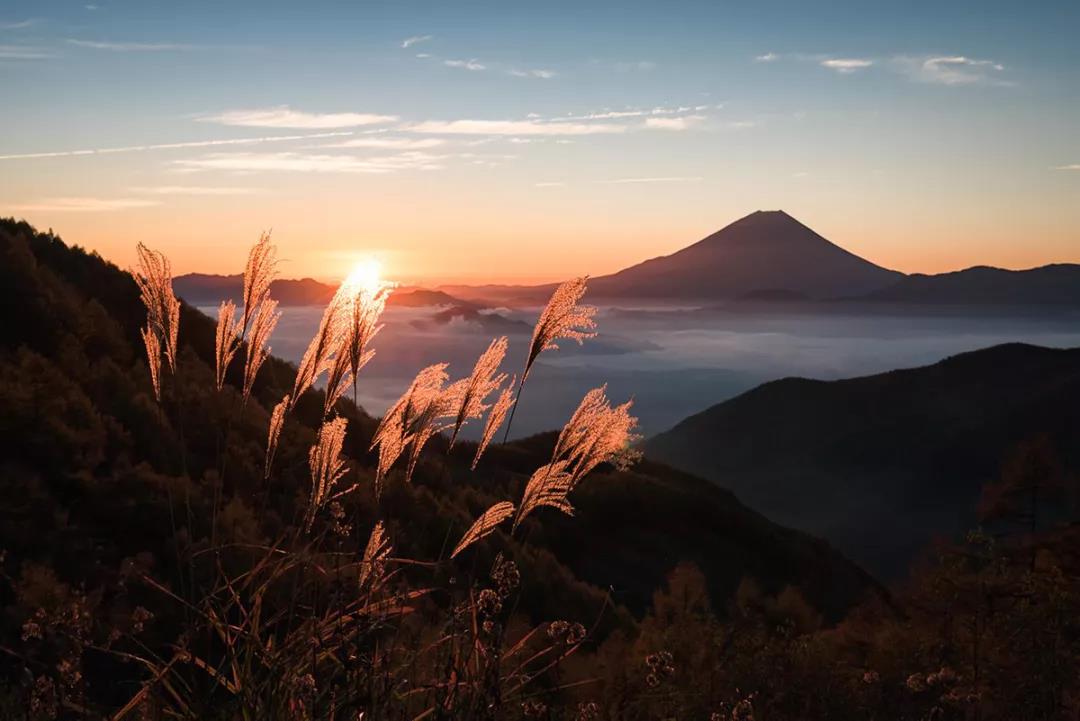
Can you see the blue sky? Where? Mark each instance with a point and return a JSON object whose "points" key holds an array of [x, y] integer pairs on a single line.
{"points": [[544, 138]]}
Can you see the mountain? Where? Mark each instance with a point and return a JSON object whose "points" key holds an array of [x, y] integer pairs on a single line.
{"points": [[95, 465], [766, 251], [202, 289], [881, 464], [1057, 284]]}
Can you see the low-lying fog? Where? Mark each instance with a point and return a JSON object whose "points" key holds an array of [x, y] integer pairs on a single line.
{"points": [[673, 362]]}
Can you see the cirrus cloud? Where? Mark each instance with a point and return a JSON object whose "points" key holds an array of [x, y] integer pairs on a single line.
{"points": [[283, 116]]}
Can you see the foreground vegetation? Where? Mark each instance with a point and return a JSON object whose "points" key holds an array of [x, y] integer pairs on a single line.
{"points": [[161, 563]]}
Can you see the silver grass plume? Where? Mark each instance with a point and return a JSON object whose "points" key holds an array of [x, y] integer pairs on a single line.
{"points": [[373, 565], [366, 306], [320, 352], [595, 433], [495, 418], [258, 275], [154, 278], [277, 420], [484, 525], [262, 326], [562, 317], [409, 414], [153, 359], [227, 340], [431, 421], [548, 486], [483, 381], [327, 466]]}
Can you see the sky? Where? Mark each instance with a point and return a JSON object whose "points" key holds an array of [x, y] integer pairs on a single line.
{"points": [[528, 142]]}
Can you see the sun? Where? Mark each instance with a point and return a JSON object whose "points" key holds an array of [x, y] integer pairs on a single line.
{"points": [[366, 277]]}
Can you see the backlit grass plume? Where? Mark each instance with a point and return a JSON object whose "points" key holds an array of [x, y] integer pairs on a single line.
{"points": [[277, 420], [327, 466], [562, 318], [153, 359], [373, 565], [414, 418], [258, 275], [483, 381], [495, 418], [484, 525], [154, 278], [262, 326], [227, 340], [366, 305], [549, 485], [324, 344]]}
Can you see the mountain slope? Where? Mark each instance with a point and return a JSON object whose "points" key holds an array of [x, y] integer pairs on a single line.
{"points": [[765, 251], [880, 464], [204, 289], [94, 462], [1057, 284]]}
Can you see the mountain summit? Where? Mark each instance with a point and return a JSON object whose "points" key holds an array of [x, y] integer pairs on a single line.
{"points": [[765, 252]]}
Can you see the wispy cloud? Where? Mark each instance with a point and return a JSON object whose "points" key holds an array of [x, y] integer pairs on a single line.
{"points": [[19, 24], [846, 66], [1071, 166], [415, 40], [383, 143], [126, 47], [766, 58], [86, 205], [284, 117], [625, 67], [512, 127], [311, 163], [193, 190], [657, 179], [952, 70], [173, 146], [24, 52], [539, 73], [684, 122], [550, 184], [465, 64]]}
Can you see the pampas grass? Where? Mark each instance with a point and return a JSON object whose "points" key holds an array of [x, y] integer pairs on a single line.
{"points": [[548, 486], [262, 326], [227, 340], [153, 359], [327, 466], [562, 317], [277, 421], [154, 278], [495, 418], [483, 381], [484, 525], [373, 565]]}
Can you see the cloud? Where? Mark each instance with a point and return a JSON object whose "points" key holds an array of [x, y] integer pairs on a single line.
{"points": [[544, 74], [550, 184], [511, 127], [24, 52], [846, 65], [952, 70], [390, 143], [129, 47], [466, 64], [766, 58], [86, 205], [680, 123], [193, 190], [423, 55], [284, 117], [1071, 166], [311, 163], [19, 24], [172, 146], [625, 67], [415, 40], [659, 179]]}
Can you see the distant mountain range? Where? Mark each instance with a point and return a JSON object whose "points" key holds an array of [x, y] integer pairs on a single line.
{"points": [[880, 465], [768, 256]]}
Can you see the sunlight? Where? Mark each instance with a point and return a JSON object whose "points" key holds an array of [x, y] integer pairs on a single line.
{"points": [[366, 277]]}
